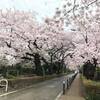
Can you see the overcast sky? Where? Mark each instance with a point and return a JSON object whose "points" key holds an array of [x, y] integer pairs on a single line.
{"points": [[44, 8]]}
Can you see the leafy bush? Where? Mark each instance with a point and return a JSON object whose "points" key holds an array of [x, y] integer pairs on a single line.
{"points": [[89, 70], [11, 77]]}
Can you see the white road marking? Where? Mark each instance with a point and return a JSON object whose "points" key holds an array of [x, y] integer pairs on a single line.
{"points": [[59, 95], [7, 93]]}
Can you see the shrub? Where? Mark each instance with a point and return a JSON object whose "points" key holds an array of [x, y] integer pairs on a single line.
{"points": [[89, 70], [11, 77]]}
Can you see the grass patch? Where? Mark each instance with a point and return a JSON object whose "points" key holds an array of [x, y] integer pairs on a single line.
{"points": [[92, 88]]}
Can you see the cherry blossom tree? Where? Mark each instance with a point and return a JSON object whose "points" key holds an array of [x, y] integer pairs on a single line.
{"points": [[21, 37], [83, 16]]}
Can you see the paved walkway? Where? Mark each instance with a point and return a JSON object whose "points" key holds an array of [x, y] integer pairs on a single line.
{"points": [[75, 92]]}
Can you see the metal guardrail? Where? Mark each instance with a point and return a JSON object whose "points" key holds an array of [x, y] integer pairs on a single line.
{"points": [[4, 83], [68, 82]]}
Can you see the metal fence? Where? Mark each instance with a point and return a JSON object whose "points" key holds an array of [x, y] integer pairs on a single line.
{"points": [[67, 83]]}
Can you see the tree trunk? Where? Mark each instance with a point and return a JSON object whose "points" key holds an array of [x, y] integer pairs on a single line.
{"points": [[37, 64]]}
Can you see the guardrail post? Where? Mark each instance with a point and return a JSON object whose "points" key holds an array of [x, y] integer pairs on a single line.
{"points": [[6, 86], [63, 87], [67, 83]]}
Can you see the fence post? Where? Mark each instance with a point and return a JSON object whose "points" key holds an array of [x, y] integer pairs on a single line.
{"points": [[6, 86], [63, 87], [67, 83]]}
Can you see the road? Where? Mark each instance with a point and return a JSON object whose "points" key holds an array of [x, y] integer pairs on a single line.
{"points": [[47, 90]]}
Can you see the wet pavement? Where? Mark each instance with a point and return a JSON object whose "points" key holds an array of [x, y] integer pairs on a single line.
{"points": [[47, 90]]}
